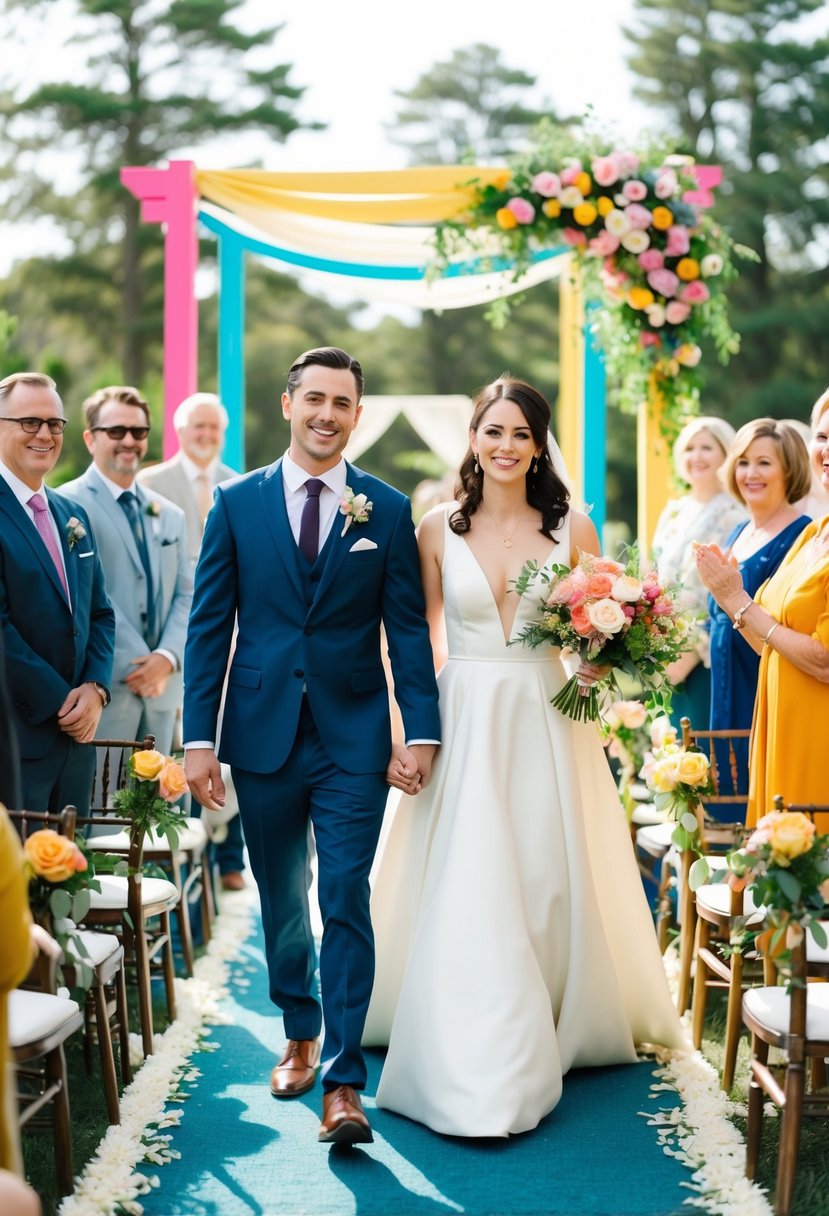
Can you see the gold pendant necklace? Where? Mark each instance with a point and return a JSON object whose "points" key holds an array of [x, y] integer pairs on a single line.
{"points": [[506, 541]]}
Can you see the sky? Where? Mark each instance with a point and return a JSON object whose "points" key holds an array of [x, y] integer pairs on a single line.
{"points": [[351, 57]]}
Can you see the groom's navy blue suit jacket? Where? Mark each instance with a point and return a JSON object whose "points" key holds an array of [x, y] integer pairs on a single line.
{"points": [[50, 646], [300, 631]]}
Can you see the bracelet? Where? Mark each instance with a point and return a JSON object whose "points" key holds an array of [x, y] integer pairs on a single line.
{"points": [[738, 622], [776, 625]]}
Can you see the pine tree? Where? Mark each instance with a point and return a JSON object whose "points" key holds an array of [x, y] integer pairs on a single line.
{"points": [[162, 76], [745, 83]]}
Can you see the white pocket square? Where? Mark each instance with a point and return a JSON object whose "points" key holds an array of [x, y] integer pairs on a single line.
{"points": [[362, 544], [91, 553]]}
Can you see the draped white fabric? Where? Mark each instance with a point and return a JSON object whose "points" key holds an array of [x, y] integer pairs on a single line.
{"points": [[441, 422]]}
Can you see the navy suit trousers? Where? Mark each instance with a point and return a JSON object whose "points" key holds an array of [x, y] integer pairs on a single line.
{"points": [[346, 811], [63, 777]]}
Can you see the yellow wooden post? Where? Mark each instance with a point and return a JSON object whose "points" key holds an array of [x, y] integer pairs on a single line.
{"points": [[570, 432], [653, 466]]}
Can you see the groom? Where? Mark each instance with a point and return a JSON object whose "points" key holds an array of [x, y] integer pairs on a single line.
{"points": [[310, 555]]}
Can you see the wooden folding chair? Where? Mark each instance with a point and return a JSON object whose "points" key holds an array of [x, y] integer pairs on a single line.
{"points": [[797, 1023]]}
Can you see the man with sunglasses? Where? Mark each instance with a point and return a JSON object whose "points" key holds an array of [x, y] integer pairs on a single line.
{"points": [[58, 624], [143, 543]]}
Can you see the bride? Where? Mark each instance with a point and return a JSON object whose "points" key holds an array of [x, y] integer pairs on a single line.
{"points": [[513, 937]]}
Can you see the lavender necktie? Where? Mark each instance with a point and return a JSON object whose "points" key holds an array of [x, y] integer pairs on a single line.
{"points": [[41, 511], [309, 525]]}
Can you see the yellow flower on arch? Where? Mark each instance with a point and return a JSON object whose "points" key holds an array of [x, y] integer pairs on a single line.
{"points": [[551, 208], [640, 297], [688, 269], [584, 214], [583, 183], [505, 218], [605, 205], [663, 217]]}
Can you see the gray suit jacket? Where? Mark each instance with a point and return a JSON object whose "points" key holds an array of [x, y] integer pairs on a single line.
{"points": [[126, 584], [170, 479]]}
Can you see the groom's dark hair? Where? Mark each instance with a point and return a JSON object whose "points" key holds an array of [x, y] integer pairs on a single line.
{"points": [[325, 356]]}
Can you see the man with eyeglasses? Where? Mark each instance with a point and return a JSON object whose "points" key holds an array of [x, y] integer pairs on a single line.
{"points": [[143, 543], [57, 622]]}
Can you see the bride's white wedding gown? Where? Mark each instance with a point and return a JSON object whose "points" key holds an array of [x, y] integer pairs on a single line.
{"points": [[513, 936]]}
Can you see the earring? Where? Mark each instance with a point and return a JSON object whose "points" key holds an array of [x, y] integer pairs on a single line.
{"points": [[535, 466], [476, 467]]}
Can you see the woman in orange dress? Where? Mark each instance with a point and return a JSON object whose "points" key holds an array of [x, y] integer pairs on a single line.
{"points": [[787, 623]]}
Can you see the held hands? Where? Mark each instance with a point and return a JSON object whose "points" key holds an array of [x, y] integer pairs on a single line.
{"points": [[204, 776], [81, 712], [149, 679], [591, 673], [410, 768]]}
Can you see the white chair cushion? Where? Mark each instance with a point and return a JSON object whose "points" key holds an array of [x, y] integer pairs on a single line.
{"points": [[98, 946], [646, 814], [35, 1015], [656, 839], [716, 896], [814, 952], [771, 1007], [113, 893], [192, 837]]}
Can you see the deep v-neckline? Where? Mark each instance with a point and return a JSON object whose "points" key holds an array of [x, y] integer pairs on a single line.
{"points": [[508, 637]]}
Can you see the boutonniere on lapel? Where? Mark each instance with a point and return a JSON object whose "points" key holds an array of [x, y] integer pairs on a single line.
{"points": [[153, 509], [355, 507], [75, 531]]}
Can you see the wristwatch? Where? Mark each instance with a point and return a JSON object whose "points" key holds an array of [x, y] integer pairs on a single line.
{"points": [[103, 693]]}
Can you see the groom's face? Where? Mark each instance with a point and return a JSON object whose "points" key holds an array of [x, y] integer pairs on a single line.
{"points": [[323, 411]]}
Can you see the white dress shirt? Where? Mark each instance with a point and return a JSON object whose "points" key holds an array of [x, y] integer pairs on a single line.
{"points": [[293, 481], [23, 493], [193, 472]]}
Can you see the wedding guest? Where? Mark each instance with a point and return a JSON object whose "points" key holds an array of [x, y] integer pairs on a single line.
{"points": [[787, 623], [767, 471], [705, 512], [816, 503]]}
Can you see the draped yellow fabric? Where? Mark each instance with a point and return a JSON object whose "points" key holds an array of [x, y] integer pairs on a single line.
{"points": [[423, 196]]}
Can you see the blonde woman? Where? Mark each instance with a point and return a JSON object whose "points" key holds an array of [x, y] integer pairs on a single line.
{"points": [[706, 512]]}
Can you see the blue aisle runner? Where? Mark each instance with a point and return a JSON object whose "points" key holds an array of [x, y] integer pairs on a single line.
{"points": [[244, 1153]]}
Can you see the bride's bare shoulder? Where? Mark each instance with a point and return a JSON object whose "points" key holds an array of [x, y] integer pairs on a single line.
{"points": [[583, 534]]}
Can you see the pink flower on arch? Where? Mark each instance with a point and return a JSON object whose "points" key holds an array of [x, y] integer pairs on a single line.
{"points": [[522, 209], [665, 282], [574, 237], [569, 175], [678, 242], [694, 293], [651, 259], [677, 312], [547, 184], [646, 338], [666, 184], [606, 170], [604, 244], [638, 216], [635, 190]]}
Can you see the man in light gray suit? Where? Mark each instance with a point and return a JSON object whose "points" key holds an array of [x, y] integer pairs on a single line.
{"points": [[142, 541], [191, 476], [188, 480]]}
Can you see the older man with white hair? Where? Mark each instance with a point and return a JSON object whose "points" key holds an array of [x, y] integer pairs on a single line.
{"points": [[191, 476], [188, 480]]}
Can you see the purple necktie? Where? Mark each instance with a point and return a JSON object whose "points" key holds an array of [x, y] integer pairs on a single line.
{"points": [[41, 509], [309, 525]]}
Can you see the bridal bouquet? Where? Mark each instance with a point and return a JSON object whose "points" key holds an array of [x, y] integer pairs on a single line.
{"points": [[608, 613]]}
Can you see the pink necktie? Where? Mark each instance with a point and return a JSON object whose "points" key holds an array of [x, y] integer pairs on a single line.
{"points": [[41, 509]]}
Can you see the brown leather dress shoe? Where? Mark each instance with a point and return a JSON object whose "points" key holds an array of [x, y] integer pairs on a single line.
{"points": [[343, 1120], [233, 881], [296, 1072]]}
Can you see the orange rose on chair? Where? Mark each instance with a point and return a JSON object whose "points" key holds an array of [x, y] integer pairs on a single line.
{"points": [[53, 857], [172, 782]]}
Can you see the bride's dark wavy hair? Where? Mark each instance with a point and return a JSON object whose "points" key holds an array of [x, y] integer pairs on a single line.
{"points": [[546, 492]]}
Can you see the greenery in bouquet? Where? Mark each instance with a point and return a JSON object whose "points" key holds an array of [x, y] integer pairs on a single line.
{"points": [[679, 779], [624, 734], [658, 263], [786, 862], [61, 877], [607, 613], [155, 783]]}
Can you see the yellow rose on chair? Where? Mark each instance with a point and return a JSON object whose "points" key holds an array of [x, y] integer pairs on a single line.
{"points": [[790, 835], [692, 768], [147, 765]]}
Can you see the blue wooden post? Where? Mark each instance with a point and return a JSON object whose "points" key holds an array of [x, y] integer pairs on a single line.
{"points": [[232, 344], [594, 453]]}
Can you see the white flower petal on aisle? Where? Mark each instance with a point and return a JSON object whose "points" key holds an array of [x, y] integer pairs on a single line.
{"points": [[110, 1181]]}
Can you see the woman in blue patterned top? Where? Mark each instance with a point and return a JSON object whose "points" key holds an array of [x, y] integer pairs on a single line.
{"points": [[767, 470]]}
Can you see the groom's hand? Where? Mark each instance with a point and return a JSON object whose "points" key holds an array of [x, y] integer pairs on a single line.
{"points": [[204, 776]]}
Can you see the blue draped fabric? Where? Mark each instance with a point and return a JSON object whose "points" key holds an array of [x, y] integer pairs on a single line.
{"points": [[734, 665]]}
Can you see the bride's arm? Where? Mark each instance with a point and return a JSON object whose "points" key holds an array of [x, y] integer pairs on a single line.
{"points": [[583, 536], [430, 542]]}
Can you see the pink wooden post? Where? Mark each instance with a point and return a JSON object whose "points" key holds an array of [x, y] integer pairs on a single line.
{"points": [[168, 197]]}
